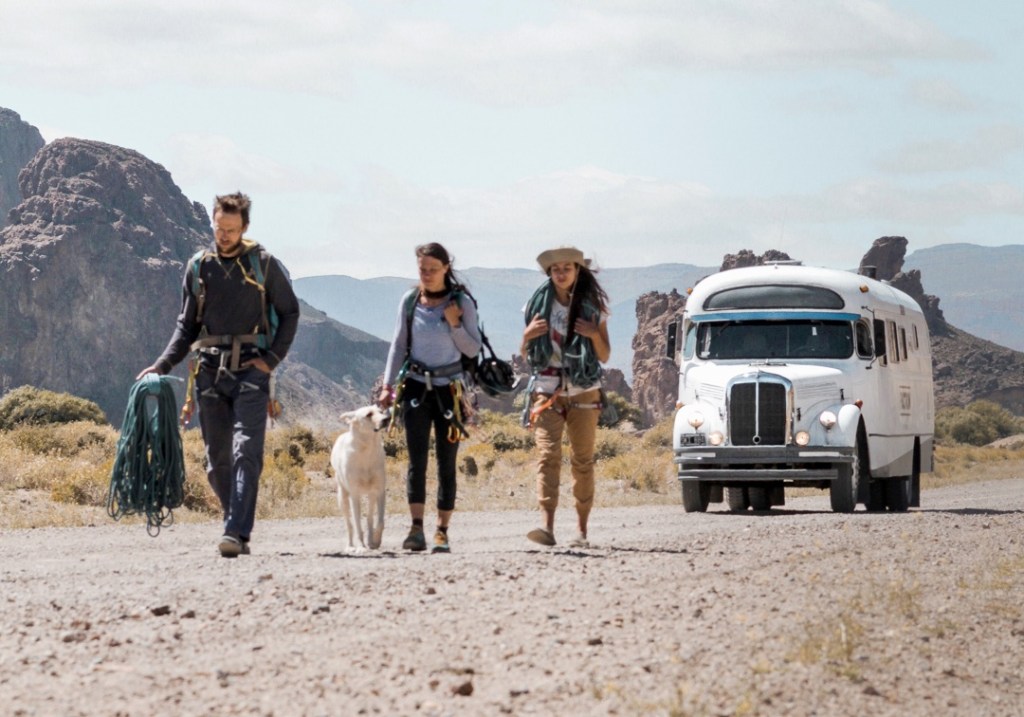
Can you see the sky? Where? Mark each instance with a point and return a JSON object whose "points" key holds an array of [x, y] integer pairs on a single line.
{"points": [[642, 132]]}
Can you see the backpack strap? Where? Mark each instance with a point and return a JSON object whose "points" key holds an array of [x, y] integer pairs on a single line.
{"points": [[198, 286]]}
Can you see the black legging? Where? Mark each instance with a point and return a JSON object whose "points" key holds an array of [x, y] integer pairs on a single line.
{"points": [[422, 409]]}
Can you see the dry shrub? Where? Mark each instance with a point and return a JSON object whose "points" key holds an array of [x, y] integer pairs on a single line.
{"points": [[82, 484], [282, 480], [641, 469], [27, 405], [611, 443], [659, 435]]}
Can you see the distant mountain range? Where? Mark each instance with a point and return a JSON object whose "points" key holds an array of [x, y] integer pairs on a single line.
{"points": [[981, 288]]}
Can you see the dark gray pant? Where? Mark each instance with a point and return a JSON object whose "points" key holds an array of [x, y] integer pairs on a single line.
{"points": [[233, 419]]}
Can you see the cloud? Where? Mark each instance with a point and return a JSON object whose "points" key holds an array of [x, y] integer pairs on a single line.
{"points": [[564, 47], [940, 95], [627, 220], [986, 148], [213, 159]]}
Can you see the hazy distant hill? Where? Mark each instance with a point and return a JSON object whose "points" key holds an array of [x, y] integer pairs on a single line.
{"points": [[372, 304], [981, 288]]}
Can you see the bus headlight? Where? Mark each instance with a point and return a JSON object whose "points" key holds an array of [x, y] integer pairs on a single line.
{"points": [[696, 420], [827, 419], [716, 438], [802, 438]]}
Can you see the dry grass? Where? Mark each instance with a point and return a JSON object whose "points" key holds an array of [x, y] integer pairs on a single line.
{"points": [[59, 474]]}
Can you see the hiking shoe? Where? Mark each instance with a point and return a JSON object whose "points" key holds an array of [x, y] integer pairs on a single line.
{"points": [[230, 546], [415, 541], [542, 536], [441, 543], [245, 547]]}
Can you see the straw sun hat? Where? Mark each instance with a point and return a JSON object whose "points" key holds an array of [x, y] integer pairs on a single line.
{"points": [[562, 253]]}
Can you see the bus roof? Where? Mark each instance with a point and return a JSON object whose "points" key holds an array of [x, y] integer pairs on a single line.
{"points": [[855, 290]]}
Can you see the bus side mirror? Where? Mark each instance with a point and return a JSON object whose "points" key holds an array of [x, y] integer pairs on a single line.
{"points": [[672, 338]]}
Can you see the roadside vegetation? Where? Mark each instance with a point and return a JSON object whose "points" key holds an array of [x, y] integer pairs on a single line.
{"points": [[57, 452]]}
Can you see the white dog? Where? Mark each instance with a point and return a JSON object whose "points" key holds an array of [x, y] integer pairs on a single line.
{"points": [[358, 462]]}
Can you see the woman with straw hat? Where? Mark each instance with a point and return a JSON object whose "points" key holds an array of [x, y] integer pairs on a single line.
{"points": [[565, 342]]}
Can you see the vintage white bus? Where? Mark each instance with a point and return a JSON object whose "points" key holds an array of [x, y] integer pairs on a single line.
{"points": [[805, 377]]}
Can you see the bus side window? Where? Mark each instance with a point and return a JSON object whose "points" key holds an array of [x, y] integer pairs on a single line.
{"points": [[894, 342], [863, 339], [917, 341], [903, 343], [880, 342]]}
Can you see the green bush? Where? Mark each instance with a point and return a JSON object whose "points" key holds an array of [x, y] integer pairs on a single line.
{"points": [[28, 405], [978, 424]]}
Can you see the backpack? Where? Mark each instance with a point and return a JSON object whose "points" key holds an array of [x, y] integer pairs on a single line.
{"points": [[485, 369], [257, 277]]}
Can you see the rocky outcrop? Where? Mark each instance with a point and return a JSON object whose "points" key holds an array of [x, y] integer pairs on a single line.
{"points": [[92, 262], [884, 261], [19, 142], [745, 257], [655, 373]]}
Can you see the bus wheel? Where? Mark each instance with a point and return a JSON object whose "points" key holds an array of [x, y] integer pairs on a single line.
{"points": [[696, 496], [876, 496], [897, 494], [759, 498], [737, 499], [842, 492]]}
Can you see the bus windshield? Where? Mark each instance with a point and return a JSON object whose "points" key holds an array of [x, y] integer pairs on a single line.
{"points": [[796, 339]]}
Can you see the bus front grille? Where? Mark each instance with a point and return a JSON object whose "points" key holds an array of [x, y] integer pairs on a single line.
{"points": [[757, 414]]}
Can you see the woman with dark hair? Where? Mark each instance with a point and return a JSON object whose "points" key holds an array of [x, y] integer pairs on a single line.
{"points": [[436, 327], [565, 343]]}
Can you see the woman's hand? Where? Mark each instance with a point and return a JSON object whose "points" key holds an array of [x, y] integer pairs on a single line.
{"points": [[537, 327], [589, 329], [453, 314], [386, 397]]}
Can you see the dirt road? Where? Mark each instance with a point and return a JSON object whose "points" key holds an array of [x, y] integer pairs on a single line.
{"points": [[796, 612]]}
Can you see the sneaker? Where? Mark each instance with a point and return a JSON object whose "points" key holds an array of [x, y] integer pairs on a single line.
{"points": [[245, 547], [441, 543], [415, 541], [230, 546]]}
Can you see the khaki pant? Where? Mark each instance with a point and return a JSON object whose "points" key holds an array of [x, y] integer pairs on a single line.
{"points": [[581, 426]]}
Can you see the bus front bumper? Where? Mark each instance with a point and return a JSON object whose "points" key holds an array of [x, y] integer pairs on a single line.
{"points": [[761, 463]]}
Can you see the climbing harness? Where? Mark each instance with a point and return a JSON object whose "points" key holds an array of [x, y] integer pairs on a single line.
{"points": [[148, 476]]}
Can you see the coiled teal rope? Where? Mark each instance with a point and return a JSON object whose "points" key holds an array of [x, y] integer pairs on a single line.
{"points": [[149, 471]]}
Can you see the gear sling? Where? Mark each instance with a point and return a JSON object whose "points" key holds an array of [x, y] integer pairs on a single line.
{"points": [[262, 335]]}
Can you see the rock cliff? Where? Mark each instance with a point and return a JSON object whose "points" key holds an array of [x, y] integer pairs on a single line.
{"points": [[19, 142]]}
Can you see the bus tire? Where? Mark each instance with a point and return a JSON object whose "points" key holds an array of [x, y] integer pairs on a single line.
{"points": [[737, 499], [759, 498], [876, 496], [897, 494], [842, 492], [696, 496]]}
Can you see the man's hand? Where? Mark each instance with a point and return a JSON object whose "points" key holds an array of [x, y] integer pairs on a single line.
{"points": [[258, 363], [148, 369]]}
